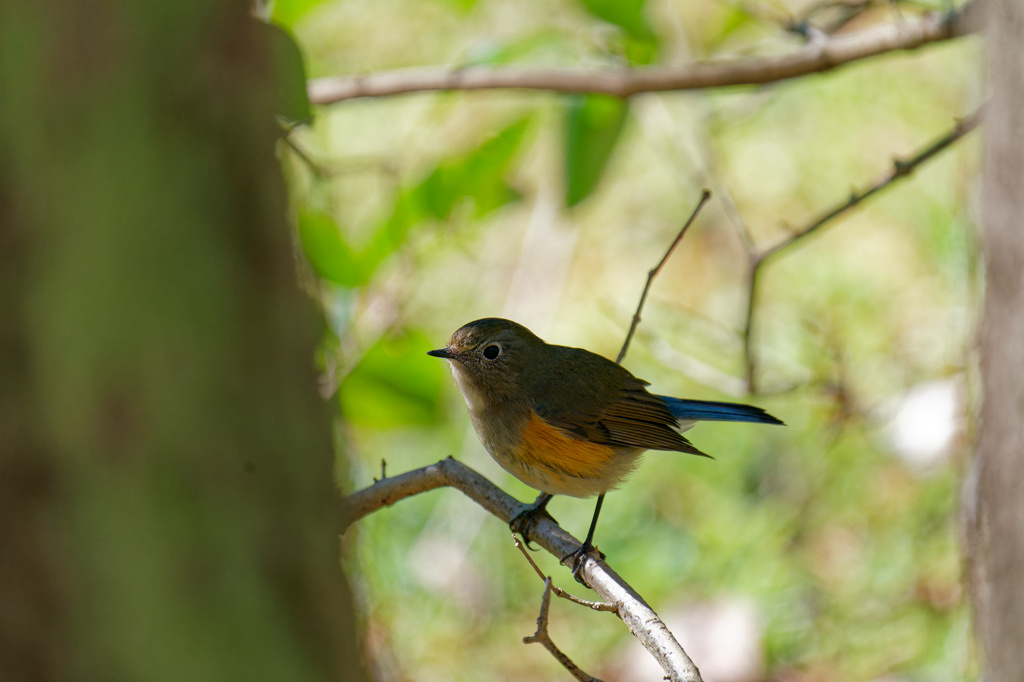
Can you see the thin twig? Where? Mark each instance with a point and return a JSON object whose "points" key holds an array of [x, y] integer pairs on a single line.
{"points": [[541, 637], [383, 470], [313, 166], [900, 170], [638, 616], [812, 58], [754, 272], [559, 592], [847, 10], [705, 195], [348, 165]]}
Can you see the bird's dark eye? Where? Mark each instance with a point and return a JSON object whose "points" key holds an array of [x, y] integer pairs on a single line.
{"points": [[492, 351]]}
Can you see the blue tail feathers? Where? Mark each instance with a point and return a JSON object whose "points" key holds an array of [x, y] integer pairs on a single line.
{"points": [[710, 410]]}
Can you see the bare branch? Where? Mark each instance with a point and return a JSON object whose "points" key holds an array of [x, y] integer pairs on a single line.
{"points": [[638, 616], [447, 472], [748, 325], [559, 592], [815, 57], [313, 166], [900, 170], [541, 637], [705, 195]]}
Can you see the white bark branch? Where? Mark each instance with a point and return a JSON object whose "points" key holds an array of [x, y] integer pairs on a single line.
{"points": [[638, 616], [815, 57]]}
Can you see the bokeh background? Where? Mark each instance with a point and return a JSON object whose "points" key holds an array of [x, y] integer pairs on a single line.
{"points": [[824, 550]]}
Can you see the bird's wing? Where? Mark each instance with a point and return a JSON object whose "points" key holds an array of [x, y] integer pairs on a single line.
{"points": [[640, 419], [609, 407]]}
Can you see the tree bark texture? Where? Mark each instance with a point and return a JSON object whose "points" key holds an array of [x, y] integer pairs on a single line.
{"points": [[999, 523], [167, 493]]}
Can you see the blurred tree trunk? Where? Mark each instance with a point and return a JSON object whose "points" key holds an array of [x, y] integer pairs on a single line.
{"points": [[167, 496], [999, 525]]}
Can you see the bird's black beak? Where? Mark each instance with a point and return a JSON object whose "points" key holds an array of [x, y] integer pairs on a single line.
{"points": [[442, 353]]}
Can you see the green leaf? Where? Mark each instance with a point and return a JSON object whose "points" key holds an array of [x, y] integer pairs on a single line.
{"points": [[627, 14], [477, 176], [330, 255], [289, 77], [640, 44], [729, 21], [394, 384], [640, 51], [482, 174], [463, 5], [593, 126], [288, 12]]}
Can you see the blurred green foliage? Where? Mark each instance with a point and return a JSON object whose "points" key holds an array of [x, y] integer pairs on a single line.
{"points": [[639, 41], [392, 386], [330, 255], [476, 176], [287, 12], [593, 126], [453, 208]]}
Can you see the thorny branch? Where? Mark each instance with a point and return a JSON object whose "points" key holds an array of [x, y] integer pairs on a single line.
{"points": [[816, 56], [900, 170]]}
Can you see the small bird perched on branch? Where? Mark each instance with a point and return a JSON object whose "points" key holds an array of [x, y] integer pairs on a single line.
{"points": [[564, 420]]}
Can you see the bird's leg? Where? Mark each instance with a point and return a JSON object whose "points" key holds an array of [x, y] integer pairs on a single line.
{"points": [[523, 522], [587, 547]]}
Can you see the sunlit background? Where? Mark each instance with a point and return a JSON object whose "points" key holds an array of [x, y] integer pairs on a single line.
{"points": [[826, 550]]}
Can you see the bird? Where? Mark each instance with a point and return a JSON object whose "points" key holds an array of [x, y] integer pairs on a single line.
{"points": [[567, 421]]}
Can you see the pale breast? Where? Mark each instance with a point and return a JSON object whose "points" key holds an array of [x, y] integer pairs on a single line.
{"points": [[473, 396]]}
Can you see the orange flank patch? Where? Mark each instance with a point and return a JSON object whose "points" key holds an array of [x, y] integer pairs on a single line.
{"points": [[548, 447], [555, 462]]}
